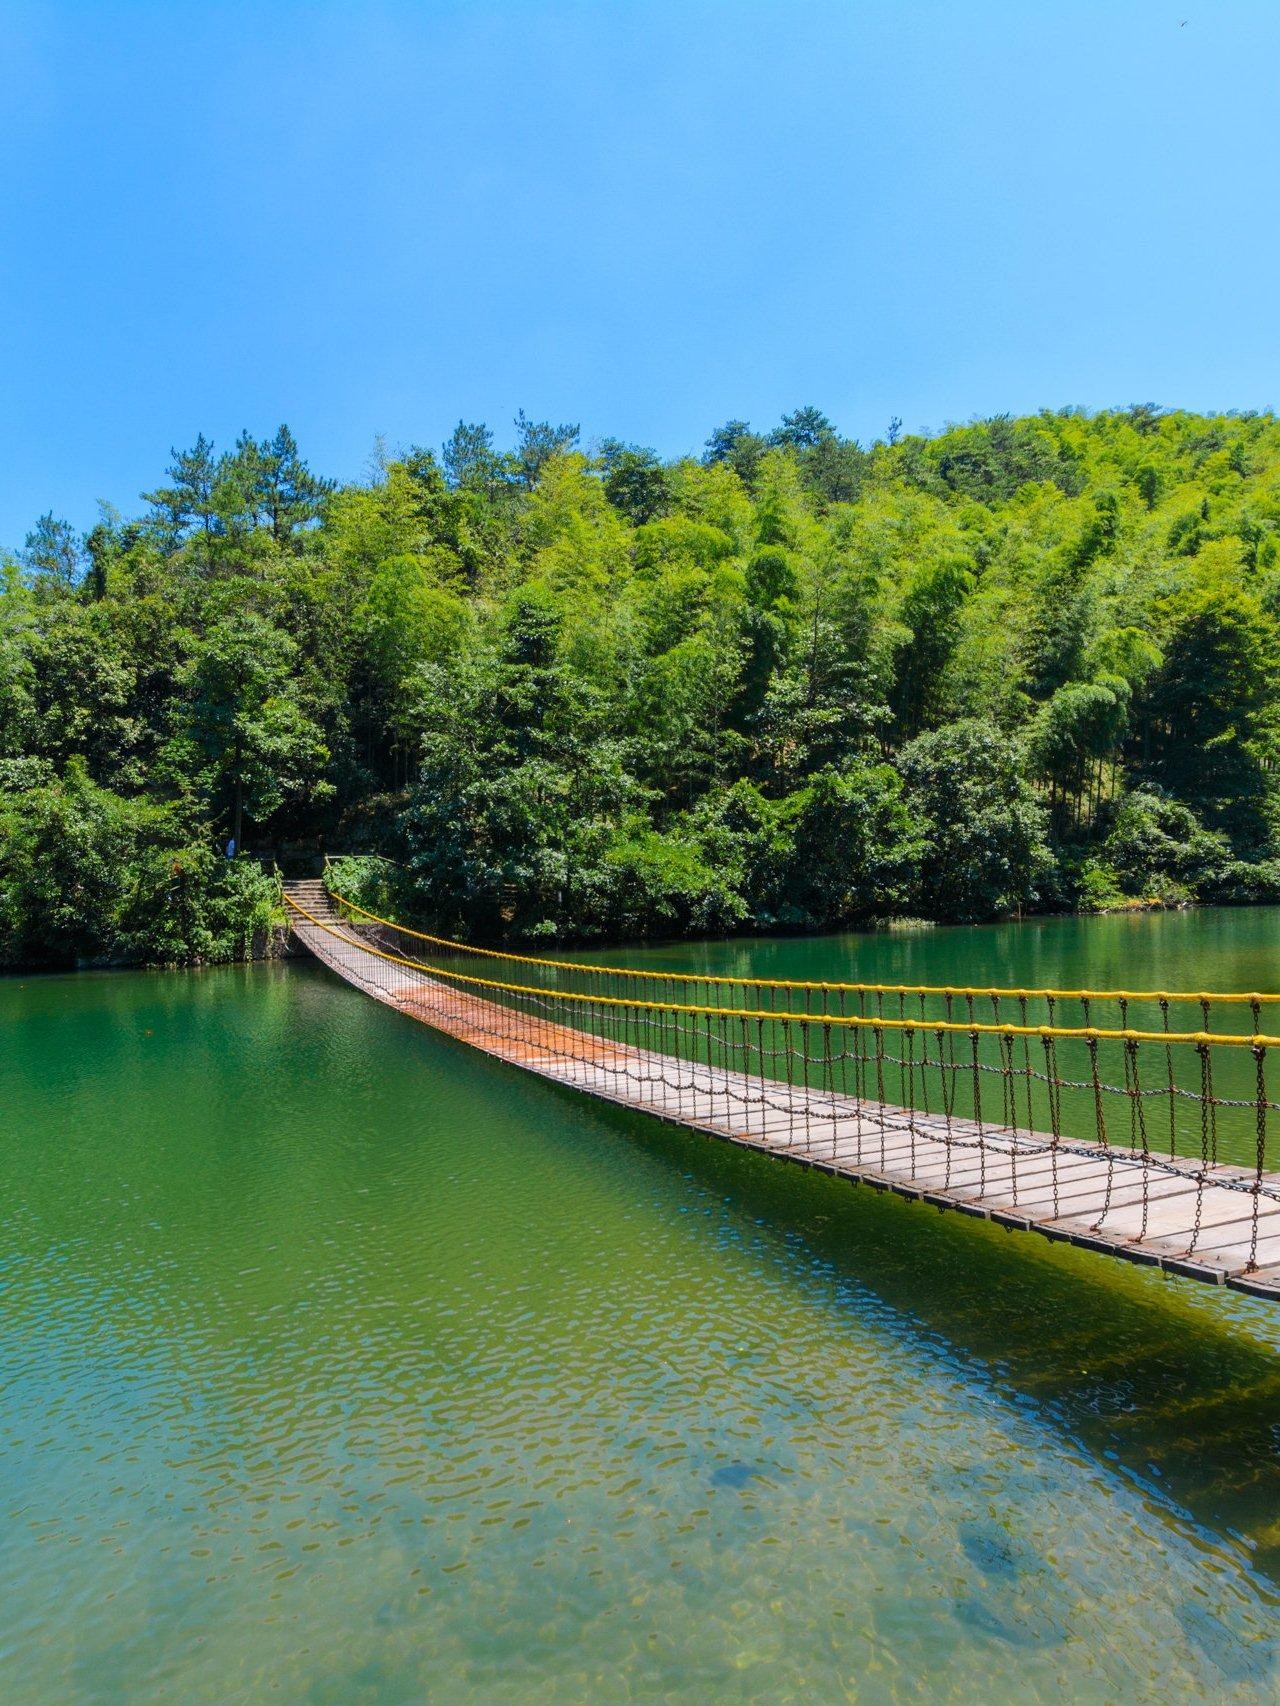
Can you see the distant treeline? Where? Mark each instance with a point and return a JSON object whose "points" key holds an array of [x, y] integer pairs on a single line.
{"points": [[581, 693]]}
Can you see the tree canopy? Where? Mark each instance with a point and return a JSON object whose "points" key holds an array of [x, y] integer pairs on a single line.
{"points": [[580, 691]]}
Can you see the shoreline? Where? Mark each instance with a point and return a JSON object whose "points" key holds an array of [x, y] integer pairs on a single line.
{"points": [[280, 945]]}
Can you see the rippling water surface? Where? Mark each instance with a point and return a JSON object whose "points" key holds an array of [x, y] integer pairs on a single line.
{"points": [[340, 1364]]}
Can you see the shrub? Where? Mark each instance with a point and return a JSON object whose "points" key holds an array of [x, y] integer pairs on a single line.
{"points": [[372, 882], [87, 876], [986, 853], [1154, 837], [855, 846], [1239, 883], [1097, 888], [651, 884]]}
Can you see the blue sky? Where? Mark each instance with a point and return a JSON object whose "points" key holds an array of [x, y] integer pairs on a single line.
{"points": [[373, 219]]}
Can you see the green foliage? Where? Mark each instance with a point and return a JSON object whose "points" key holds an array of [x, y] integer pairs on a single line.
{"points": [[247, 721], [1209, 702], [52, 554], [195, 907], [1153, 837], [986, 851], [843, 848], [994, 459], [86, 876], [796, 682], [855, 848], [1097, 887], [646, 883], [1071, 735], [1241, 883], [371, 881], [635, 481]]}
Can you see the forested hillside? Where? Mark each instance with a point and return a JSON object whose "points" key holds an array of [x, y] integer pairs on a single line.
{"points": [[579, 692]]}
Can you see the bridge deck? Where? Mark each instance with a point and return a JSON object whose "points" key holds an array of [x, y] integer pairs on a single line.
{"points": [[1181, 1216]]}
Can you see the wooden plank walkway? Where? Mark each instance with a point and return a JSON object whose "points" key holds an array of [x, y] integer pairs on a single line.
{"points": [[1178, 1216]]}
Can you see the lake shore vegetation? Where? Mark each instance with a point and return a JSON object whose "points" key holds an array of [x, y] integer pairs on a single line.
{"points": [[582, 693]]}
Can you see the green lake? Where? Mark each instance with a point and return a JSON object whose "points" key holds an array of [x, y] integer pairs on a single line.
{"points": [[340, 1364]]}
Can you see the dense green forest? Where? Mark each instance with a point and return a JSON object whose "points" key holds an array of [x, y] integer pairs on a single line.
{"points": [[578, 692]]}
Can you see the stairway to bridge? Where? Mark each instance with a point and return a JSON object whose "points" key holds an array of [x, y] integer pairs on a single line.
{"points": [[1205, 1204]]}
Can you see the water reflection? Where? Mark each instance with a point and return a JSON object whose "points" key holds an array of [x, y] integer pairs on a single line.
{"points": [[339, 1362], [1175, 1384]]}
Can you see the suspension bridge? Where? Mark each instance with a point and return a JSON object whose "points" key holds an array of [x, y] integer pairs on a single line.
{"points": [[1138, 1124]]}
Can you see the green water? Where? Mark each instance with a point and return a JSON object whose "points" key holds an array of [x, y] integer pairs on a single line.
{"points": [[338, 1364], [1217, 948]]}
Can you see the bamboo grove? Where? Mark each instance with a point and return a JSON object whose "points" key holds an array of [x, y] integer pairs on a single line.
{"points": [[578, 692]]}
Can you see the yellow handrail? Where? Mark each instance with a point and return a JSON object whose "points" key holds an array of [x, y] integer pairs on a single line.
{"points": [[942, 989], [1084, 1033]]}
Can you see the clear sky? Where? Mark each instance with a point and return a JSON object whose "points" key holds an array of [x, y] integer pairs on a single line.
{"points": [[373, 219]]}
